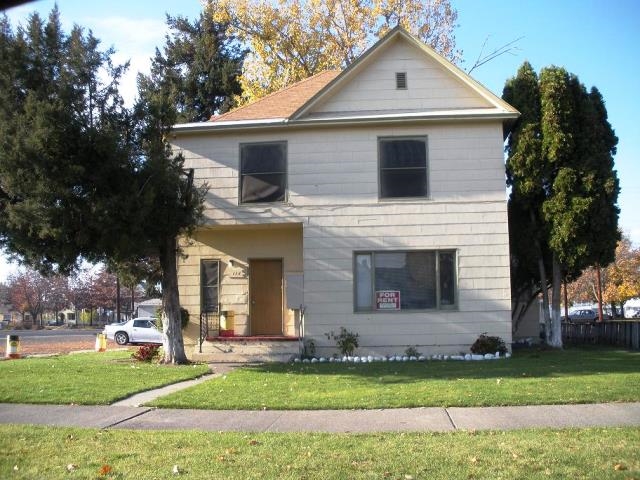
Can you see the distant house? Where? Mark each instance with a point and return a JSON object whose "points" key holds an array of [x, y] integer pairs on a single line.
{"points": [[148, 308], [371, 199]]}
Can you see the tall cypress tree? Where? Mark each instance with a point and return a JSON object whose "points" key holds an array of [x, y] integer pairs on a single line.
{"points": [[560, 167]]}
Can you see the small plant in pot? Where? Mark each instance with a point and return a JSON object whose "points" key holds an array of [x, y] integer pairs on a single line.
{"points": [[309, 348]]}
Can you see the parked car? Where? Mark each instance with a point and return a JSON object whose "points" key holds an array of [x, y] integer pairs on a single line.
{"points": [[136, 330], [586, 315]]}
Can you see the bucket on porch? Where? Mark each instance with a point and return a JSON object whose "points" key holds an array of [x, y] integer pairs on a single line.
{"points": [[227, 323], [13, 346]]}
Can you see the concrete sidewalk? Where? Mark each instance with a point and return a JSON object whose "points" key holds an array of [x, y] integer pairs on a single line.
{"points": [[343, 421]]}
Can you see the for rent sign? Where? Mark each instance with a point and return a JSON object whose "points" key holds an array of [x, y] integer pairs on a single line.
{"points": [[387, 300]]}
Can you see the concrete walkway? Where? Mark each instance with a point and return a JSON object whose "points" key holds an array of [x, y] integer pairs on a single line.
{"points": [[129, 414], [345, 421], [139, 399]]}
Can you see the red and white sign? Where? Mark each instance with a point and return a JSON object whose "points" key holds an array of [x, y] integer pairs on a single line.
{"points": [[387, 300]]}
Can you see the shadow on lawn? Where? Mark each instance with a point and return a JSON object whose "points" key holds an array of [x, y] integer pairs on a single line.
{"points": [[526, 363]]}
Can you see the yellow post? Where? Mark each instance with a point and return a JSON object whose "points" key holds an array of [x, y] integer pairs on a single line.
{"points": [[13, 346], [101, 342]]}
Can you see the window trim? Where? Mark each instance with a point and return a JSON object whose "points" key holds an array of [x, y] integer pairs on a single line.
{"points": [[437, 308], [285, 173], [202, 262], [423, 138]]}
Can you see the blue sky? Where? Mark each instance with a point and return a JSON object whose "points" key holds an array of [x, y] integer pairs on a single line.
{"points": [[596, 40]]}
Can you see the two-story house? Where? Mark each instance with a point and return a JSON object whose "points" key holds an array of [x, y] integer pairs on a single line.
{"points": [[371, 199]]}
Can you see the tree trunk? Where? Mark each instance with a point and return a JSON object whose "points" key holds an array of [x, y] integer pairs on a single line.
{"points": [[599, 280], [566, 300], [117, 298], [545, 299], [133, 301], [556, 322], [542, 271], [171, 322]]}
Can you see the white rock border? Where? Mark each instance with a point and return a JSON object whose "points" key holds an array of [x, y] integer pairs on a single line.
{"points": [[402, 358]]}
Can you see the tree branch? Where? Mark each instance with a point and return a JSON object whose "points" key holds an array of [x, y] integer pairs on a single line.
{"points": [[509, 48]]}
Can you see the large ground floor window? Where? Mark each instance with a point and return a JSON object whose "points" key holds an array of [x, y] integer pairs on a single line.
{"points": [[405, 280]]}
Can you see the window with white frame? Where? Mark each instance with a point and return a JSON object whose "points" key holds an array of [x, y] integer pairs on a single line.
{"points": [[263, 172], [405, 280], [403, 167]]}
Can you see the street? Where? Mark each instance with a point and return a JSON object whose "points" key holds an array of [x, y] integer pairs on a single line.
{"points": [[59, 340]]}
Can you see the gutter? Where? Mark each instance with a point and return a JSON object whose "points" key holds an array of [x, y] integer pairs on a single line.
{"points": [[375, 119]]}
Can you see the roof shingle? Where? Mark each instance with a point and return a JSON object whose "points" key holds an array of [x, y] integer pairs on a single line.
{"points": [[280, 104]]}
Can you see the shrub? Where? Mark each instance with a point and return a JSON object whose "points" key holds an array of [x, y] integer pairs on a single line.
{"points": [[412, 352], [346, 341], [309, 348], [488, 344], [146, 353], [184, 318]]}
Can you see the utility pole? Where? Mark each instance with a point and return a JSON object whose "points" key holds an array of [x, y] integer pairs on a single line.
{"points": [[117, 298]]}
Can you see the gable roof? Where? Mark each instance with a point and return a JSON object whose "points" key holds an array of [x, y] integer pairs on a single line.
{"points": [[283, 103], [379, 46], [291, 105]]}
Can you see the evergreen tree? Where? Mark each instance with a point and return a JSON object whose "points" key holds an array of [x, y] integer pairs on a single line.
{"points": [[80, 175], [564, 187], [201, 63], [64, 156]]}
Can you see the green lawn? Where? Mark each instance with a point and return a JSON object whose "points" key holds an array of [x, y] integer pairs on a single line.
{"points": [[531, 377], [87, 378], [46, 452]]}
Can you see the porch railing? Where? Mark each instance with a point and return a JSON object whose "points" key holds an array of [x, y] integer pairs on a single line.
{"points": [[209, 326]]}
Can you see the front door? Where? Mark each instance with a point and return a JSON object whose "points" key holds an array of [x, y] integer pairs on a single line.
{"points": [[265, 294]]}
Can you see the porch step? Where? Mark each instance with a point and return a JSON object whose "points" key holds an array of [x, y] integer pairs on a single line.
{"points": [[247, 350]]}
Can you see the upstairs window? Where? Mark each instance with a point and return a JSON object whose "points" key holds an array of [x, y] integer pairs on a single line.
{"points": [[403, 167], [263, 172]]}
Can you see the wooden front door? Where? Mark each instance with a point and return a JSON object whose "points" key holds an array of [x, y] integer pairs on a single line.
{"points": [[265, 297]]}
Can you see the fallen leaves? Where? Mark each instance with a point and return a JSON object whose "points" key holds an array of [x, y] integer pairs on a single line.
{"points": [[105, 470], [619, 466]]}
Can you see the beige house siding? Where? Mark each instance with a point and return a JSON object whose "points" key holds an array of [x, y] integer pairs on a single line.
{"points": [[374, 88], [334, 167], [333, 204]]}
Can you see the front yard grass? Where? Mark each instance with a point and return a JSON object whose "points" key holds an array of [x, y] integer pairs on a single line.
{"points": [[530, 377], [28, 452], [85, 378]]}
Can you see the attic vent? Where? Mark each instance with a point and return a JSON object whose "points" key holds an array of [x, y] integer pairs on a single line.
{"points": [[401, 80]]}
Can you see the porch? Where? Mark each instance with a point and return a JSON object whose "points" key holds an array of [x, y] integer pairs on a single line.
{"points": [[250, 349]]}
